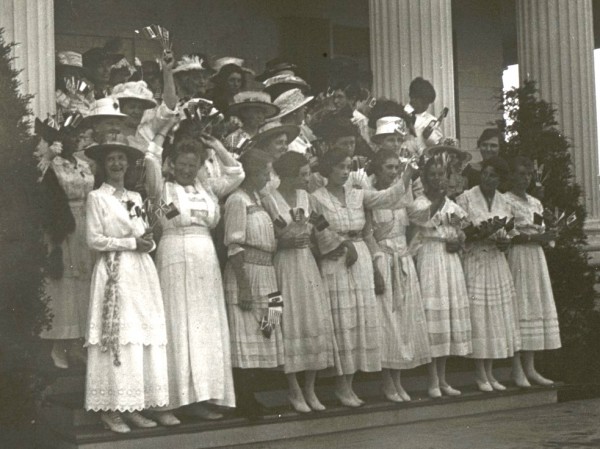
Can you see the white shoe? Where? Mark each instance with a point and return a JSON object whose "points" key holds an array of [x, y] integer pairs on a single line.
{"points": [[138, 420], [114, 422]]}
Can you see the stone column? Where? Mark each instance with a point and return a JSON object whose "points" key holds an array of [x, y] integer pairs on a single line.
{"points": [[411, 38], [30, 24], [556, 49]]}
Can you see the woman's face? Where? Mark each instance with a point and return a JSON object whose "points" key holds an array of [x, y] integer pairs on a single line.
{"points": [[193, 81], [260, 178], [135, 109], [389, 171], [346, 143], [489, 148], [252, 117], [104, 126], [234, 83], [435, 178], [301, 181], [340, 173], [392, 142], [521, 178], [277, 145], [340, 100], [116, 165], [186, 168], [100, 74], [490, 180]]}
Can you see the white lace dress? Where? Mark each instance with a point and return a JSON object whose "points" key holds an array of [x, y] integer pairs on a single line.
{"points": [[126, 336]]}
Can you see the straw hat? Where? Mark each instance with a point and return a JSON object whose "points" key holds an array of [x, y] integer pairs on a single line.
{"points": [[275, 128], [135, 90], [192, 62], [69, 59], [230, 60], [387, 126], [450, 146], [104, 107], [113, 142], [291, 101], [253, 99]]}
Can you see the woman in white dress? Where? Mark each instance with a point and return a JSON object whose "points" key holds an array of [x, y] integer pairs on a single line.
{"points": [[66, 181], [307, 324], [439, 236], [404, 339], [198, 348], [250, 283], [347, 269], [495, 333], [126, 336], [536, 311]]}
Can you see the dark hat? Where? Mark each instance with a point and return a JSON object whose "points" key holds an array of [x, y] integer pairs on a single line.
{"points": [[94, 56], [274, 67]]}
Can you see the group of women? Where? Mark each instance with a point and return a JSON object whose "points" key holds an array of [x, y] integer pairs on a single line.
{"points": [[329, 268]]}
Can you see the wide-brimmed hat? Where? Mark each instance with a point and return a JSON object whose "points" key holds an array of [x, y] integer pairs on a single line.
{"points": [[290, 101], [276, 66], [193, 62], [96, 55], [135, 90], [104, 107], [278, 84], [389, 125], [253, 99], [113, 142], [275, 128], [230, 60], [449, 146]]}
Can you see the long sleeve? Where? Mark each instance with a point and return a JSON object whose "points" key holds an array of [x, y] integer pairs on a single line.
{"points": [[153, 179], [155, 120], [395, 197], [95, 230], [235, 224], [58, 219], [230, 180]]}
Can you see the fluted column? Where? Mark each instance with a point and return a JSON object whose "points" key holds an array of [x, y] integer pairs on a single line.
{"points": [[30, 24], [411, 38], [556, 49]]}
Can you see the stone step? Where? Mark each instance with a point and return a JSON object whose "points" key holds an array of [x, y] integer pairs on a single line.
{"points": [[70, 427]]}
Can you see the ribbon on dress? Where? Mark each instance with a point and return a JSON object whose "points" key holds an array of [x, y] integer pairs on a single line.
{"points": [[111, 316]]}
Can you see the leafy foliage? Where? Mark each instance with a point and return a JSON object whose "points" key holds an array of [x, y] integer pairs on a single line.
{"points": [[23, 310], [531, 130]]}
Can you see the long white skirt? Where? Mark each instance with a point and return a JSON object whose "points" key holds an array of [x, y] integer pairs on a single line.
{"points": [[492, 303], [354, 311], [446, 300], [141, 379], [198, 347], [536, 311]]}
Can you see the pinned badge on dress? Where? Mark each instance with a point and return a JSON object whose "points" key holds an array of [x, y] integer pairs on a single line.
{"points": [[297, 214], [275, 308], [279, 222]]}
